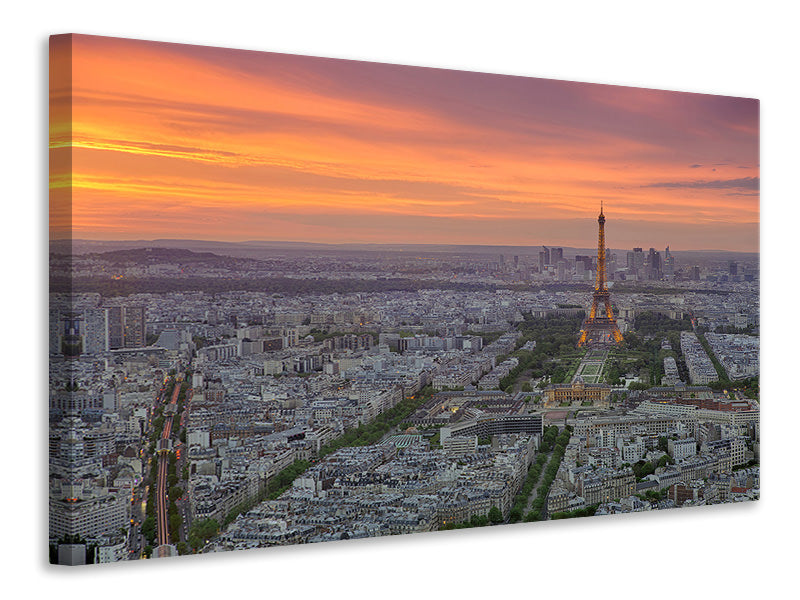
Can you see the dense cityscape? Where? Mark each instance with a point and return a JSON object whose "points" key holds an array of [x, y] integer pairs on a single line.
{"points": [[296, 299], [207, 398]]}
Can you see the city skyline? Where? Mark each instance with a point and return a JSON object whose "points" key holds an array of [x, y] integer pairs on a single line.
{"points": [[296, 300], [230, 145]]}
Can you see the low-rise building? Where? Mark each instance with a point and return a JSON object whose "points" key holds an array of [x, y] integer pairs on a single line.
{"points": [[578, 392]]}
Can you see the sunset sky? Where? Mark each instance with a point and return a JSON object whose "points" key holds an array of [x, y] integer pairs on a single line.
{"points": [[173, 141]]}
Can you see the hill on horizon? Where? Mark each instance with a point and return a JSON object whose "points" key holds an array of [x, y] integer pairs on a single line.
{"points": [[255, 248]]}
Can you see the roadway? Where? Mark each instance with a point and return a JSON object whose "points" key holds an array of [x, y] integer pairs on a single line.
{"points": [[136, 539], [162, 521]]}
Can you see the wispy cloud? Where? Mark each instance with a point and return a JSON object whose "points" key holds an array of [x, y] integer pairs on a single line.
{"points": [[745, 183]]}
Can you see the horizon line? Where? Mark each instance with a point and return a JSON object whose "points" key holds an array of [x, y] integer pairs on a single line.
{"points": [[377, 244]]}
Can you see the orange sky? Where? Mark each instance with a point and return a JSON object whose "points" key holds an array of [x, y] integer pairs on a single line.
{"points": [[172, 141]]}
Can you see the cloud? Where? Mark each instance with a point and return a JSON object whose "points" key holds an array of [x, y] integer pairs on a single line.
{"points": [[744, 183], [222, 142]]}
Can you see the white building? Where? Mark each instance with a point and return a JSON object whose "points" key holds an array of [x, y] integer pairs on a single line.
{"points": [[680, 449], [632, 449]]}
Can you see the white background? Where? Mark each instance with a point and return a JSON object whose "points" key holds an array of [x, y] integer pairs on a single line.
{"points": [[730, 48]]}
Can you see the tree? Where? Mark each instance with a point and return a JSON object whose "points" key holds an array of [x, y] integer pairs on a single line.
{"points": [[478, 521], [635, 385], [532, 516], [642, 469], [495, 516], [631, 340], [175, 521], [149, 528], [200, 531]]}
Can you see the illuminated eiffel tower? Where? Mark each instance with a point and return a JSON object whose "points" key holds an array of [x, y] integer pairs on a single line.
{"points": [[600, 328]]}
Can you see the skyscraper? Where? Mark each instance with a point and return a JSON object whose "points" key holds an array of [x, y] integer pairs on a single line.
{"points": [[561, 267], [653, 264], [126, 327], [669, 265], [544, 258], [96, 330], [135, 328], [638, 258], [580, 269]]}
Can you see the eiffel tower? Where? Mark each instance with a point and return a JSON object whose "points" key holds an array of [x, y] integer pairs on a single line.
{"points": [[600, 328]]}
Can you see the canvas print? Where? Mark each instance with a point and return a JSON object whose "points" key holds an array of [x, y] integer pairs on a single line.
{"points": [[298, 299]]}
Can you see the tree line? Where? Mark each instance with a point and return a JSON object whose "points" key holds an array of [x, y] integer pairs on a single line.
{"points": [[369, 433], [284, 285], [559, 444], [552, 441]]}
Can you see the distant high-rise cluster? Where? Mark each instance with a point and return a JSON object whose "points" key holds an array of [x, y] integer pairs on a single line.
{"points": [[650, 266], [552, 260]]}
